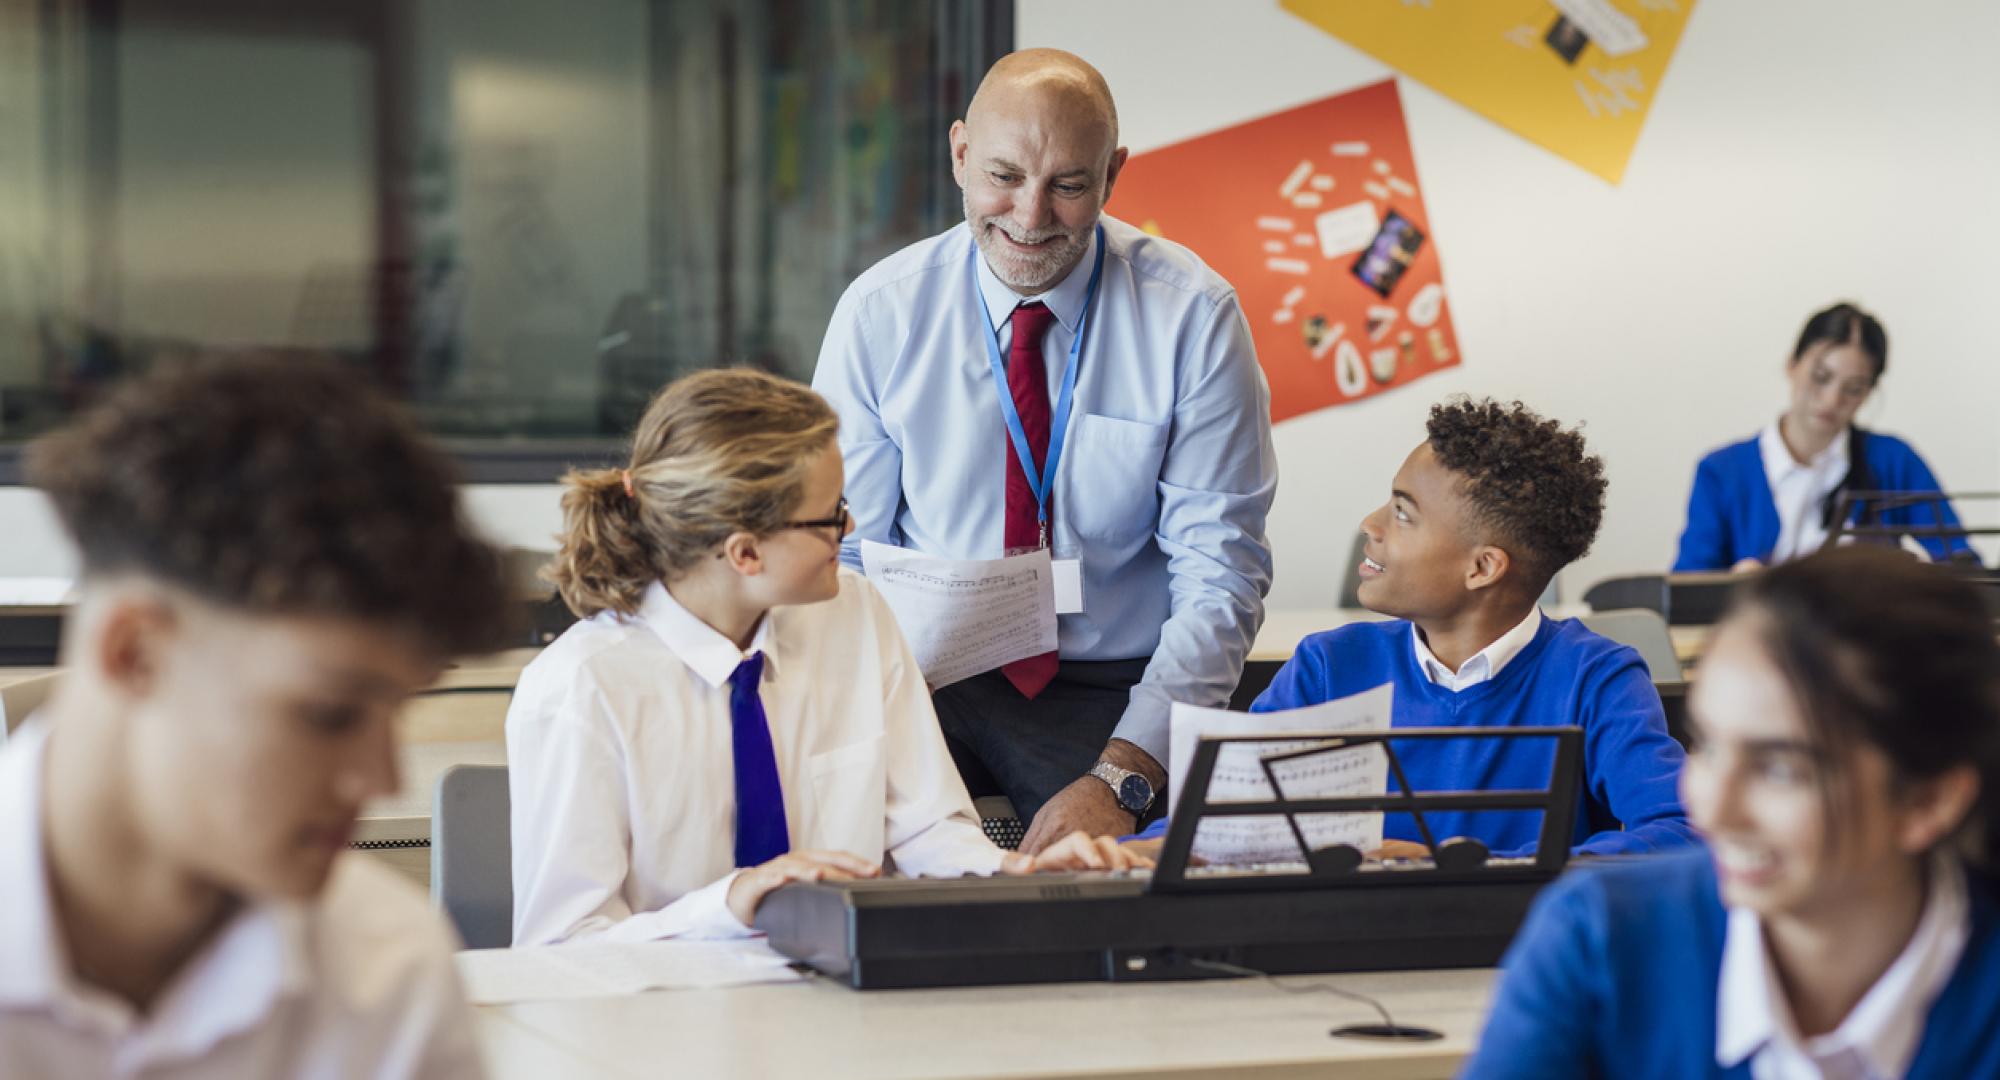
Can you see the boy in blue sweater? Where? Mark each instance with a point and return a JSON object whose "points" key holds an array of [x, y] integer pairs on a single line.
{"points": [[1479, 518], [1845, 921]]}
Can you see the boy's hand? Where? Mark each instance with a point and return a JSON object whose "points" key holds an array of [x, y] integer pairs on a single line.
{"points": [[1077, 851], [755, 883]]}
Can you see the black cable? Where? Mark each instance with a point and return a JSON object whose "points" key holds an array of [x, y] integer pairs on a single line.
{"points": [[1309, 988]]}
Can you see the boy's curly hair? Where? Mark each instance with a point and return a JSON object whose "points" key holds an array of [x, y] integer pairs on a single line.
{"points": [[275, 487], [1528, 479]]}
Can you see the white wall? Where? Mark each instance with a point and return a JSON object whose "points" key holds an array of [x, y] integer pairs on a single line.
{"points": [[1800, 151]]}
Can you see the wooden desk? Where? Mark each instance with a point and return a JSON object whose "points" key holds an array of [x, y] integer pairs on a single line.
{"points": [[1284, 628], [1186, 1030], [22, 691], [499, 671], [1690, 642]]}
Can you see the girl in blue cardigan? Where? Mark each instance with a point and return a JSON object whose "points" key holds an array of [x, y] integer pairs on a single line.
{"points": [[1775, 496], [1844, 920]]}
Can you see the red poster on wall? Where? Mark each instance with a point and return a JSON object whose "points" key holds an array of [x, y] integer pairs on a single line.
{"points": [[1316, 216]]}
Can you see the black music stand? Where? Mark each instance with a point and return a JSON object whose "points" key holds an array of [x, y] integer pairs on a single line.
{"points": [[1866, 508], [1341, 865]]}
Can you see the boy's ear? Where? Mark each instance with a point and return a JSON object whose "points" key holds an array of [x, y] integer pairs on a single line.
{"points": [[1489, 565], [132, 642], [744, 553]]}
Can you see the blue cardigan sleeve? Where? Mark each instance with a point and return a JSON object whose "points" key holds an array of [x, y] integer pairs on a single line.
{"points": [[1909, 472], [1551, 991], [1631, 764], [1705, 540]]}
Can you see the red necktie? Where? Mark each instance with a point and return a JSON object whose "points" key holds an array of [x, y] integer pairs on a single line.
{"points": [[1028, 381]]}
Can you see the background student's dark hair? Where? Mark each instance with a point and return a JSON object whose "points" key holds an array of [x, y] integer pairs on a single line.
{"points": [[718, 452], [1882, 649], [276, 487], [1527, 478], [1846, 324]]}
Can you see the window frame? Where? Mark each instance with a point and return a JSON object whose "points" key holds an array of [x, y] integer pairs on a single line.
{"points": [[980, 33]]}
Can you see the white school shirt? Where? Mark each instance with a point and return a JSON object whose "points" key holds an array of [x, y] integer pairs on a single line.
{"points": [[621, 764], [1878, 1039], [1484, 664], [1799, 491], [355, 985]]}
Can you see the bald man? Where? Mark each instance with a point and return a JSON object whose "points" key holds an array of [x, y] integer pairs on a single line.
{"points": [[952, 362]]}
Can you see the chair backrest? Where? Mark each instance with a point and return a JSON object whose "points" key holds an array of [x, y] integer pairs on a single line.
{"points": [[472, 863], [1647, 591], [1645, 631], [1350, 586]]}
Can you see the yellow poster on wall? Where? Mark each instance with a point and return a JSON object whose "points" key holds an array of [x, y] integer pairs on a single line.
{"points": [[1576, 76]]}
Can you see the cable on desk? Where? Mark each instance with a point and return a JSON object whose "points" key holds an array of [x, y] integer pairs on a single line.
{"points": [[1388, 1029]]}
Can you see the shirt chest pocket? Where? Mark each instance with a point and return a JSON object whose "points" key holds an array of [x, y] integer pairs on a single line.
{"points": [[849, 799], [1113, 472]]}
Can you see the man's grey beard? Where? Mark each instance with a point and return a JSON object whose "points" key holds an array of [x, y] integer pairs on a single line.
{"points": [[1018, 270]]}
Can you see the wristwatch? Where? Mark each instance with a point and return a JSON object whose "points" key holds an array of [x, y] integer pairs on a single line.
{"points": [[1134, 791]]}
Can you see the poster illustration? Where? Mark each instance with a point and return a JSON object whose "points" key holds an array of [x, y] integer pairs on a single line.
{"points": [[1574, 76], [1316, 216]]}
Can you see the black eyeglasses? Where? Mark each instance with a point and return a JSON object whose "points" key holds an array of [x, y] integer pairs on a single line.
{"points": [[838, 521]]}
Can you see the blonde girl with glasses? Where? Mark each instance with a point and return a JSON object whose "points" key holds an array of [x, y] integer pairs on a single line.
{"points": [[734, 710]]}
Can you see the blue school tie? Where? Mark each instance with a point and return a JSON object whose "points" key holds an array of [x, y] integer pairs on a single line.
{"points": [[760, 800]]}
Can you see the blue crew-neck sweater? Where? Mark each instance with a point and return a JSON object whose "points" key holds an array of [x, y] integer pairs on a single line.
{"points": [[1616, 973], [1732, 516], [1566, 675]]}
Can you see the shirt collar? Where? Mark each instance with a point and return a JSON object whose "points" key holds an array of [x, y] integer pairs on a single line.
{"points": [[261, 956], [1884, 1027], [700, 646], [1779, 462], [1484, 664], [1065, 300]]}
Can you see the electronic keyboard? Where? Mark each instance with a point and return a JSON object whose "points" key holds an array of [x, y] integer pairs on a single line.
{"points": [[1331, 911]]}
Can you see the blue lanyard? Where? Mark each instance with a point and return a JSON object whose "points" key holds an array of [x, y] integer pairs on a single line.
{"points": [[1041, 483]]}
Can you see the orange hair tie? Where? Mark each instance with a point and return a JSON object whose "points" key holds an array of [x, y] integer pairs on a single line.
{"points": [[626, 475]]}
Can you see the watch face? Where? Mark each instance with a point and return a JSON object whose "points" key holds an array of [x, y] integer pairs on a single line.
{"points": [[1135, 793]]}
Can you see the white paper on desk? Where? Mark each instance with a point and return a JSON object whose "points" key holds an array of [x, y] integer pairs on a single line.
{"points": [[965, 616], [1362, 770], [602, 969]]}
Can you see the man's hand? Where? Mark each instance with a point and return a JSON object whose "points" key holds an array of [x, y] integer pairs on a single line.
{"points": [[1087, 805], [752, 885], [1076, 851]]}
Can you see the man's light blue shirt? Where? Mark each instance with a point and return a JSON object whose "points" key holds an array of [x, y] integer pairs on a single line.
{"points": [[1163, 485]]}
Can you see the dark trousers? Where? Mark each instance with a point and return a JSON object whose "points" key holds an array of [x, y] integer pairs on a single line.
{"points": [[1005, 744]]}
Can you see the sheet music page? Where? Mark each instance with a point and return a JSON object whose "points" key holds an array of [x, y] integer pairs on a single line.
{"points": [[966, 616], [1361, 770], [605, 969]]}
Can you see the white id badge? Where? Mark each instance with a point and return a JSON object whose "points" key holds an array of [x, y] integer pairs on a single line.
{"points": [[1067, 576]]}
